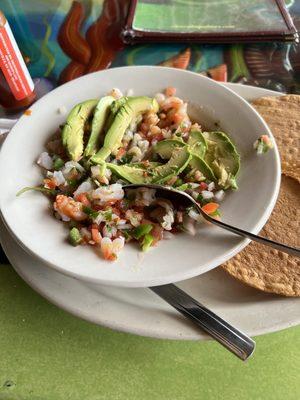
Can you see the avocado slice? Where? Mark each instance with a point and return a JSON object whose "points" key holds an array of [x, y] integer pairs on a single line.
{"points": [[203, 167], [176, 164], [197, 143], [155, 172], [150, 165], [165, 148], [73, 130], [114, 108], [132, 174], [113, 139], [222, 157], [100, 115]]}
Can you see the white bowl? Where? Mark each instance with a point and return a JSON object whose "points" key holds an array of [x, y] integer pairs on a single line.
{"points": [[32, 224]]}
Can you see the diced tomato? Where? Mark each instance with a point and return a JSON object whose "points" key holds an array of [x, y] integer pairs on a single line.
{"points": [[96, 236], [210, 208], [120, 153], [82, 197], [50, 183], [203, 186], [177, 118]]}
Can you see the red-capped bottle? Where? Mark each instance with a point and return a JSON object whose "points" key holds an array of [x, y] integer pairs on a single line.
{"points": [[16, 85]]}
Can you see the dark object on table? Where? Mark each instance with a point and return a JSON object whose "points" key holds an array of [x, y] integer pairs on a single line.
{"points": [[204, 21], [3, 258]]}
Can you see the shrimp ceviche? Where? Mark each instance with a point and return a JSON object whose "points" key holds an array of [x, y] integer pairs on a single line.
{"points": [[121, 140]]}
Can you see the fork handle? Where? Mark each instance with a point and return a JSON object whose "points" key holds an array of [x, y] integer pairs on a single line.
{"points": [[293, 251], [234, 340]]}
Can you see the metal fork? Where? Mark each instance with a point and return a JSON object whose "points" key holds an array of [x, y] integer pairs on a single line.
{"points": [[231, 338]]}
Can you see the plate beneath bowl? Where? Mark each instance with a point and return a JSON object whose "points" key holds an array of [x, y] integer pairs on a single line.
{"points": [[30, 222], [140, 312]]}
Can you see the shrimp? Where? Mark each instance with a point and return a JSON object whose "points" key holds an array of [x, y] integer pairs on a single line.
{"points": [[66, 206], [110, 248], [170, 91]]}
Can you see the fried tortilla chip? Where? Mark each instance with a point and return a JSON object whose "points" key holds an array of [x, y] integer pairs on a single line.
{"points": [[282, 114], [268, 269]]}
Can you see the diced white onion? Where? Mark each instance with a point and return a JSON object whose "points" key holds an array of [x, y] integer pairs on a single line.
{"points": [[195, 194], [69, 165], [168, 220], [194, 185], [211, 186], [62, 110], [219, 195], [45, 161], [116, 93], [207, 195], [84, 187], [59, 178]]}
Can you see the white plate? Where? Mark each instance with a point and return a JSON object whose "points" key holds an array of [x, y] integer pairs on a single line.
{"points": [[183, 257], [140, 312]]}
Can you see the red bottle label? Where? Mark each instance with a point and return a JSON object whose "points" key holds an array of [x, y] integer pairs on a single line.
{"points": [[12, 63]]}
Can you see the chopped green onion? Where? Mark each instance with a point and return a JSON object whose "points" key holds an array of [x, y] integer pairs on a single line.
{"points": [[141, 230], [72, 182], [90, 212], [126, 234], [263, 144], [147, 241], [108, 215], [182, 187], [203, 201], [215, 214], [58, 163], [75, 237], [108, 228], [126, 159], [37, 189], [178, 182]]}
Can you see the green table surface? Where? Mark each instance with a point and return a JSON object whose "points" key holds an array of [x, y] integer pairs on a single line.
{"points": [[46, 353]]}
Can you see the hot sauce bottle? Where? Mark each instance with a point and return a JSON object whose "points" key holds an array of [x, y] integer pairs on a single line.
{"points": [[16, 85]]}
